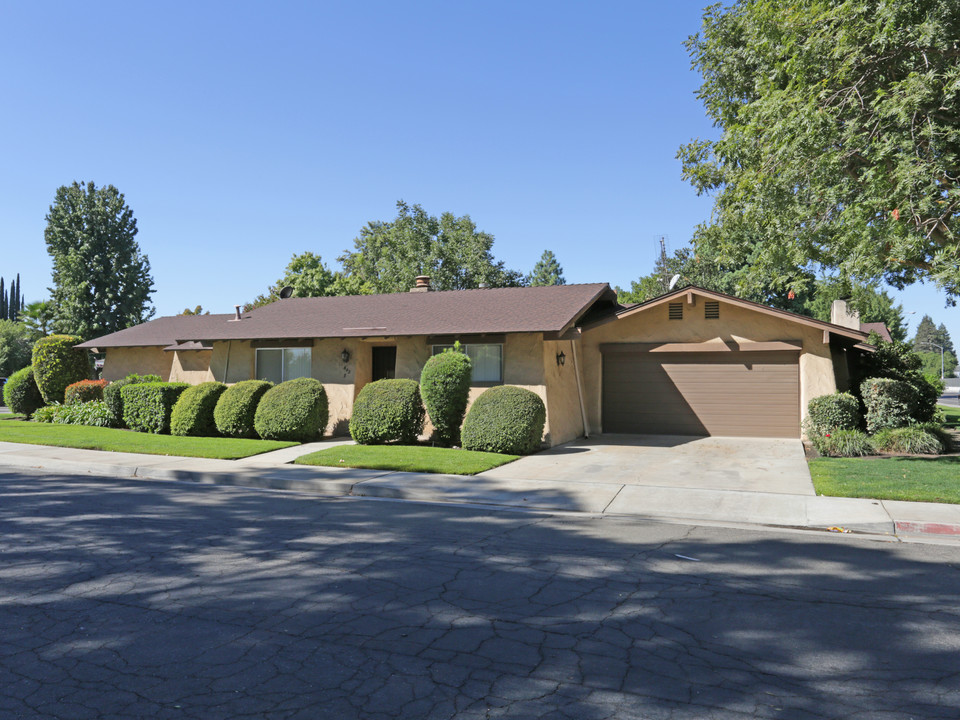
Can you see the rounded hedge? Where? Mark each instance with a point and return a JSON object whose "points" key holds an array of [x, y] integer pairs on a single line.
{"points": [[114, 399], [889, 403], [193, 413], [505, 419], [387, 411], [445, 387], [56, 364], [147, 406], [21, 394], [84, 391], [294, 410], [840, 411], [237, 407]]}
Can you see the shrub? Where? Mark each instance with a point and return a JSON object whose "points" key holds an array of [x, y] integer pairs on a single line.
{"points": [[445, 387], [93, 413], [21, 394], [237, 407], [84, 391], [889, 403], [505, 419], [294, 410], [840, 411], [843, 443], [914, 440], [388, 411], [114, 398], [147, 406], [942, 435], [15, 347], [56, 364], [193, 413], [898, 361]]}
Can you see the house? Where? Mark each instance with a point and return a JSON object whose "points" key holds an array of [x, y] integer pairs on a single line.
{"points": [[691, 362]]}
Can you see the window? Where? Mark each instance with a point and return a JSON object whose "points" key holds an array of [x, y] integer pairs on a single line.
{"points": [[280, 364], [675, 311], [487, 361]]}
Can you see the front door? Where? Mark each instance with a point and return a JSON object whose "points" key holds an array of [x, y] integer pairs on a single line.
{"points": [[384, 363]]}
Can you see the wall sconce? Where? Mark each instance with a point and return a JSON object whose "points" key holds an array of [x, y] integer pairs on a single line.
{"points": [[345, 356], [561, 359]]}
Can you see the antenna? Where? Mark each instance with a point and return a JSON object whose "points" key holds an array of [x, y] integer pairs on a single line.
{"points": [[673, 281], [664, 285], [286, 292]]}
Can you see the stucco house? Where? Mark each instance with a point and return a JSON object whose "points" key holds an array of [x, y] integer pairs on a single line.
{"points": [[691, 362]]}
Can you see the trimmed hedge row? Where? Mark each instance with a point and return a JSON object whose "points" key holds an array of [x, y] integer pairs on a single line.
{"points": [[388, 411], [21, 394], [294, 410], [147, 406], [193, 413], [237, 407], [113, 397], [84, 391]]}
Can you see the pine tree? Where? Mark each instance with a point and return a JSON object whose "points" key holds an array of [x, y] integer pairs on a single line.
{"points": [[926, 334], [942, 337], [3, 301], [547, 271]]}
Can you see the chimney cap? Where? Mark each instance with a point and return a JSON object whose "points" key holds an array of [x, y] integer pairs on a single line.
{"points": [[422, 284]]}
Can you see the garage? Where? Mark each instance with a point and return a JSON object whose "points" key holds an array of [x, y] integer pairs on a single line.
{"points": [[731, 393]]}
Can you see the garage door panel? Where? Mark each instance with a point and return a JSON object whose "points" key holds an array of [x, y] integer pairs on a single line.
{"points": [[740, 394]]}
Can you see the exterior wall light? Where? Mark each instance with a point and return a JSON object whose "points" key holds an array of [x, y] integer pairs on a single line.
{"points": [[561, 359], [345, 356]]}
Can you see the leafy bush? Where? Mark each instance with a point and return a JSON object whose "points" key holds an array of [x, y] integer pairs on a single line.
{"points": [[843, 443], [237, 407], [889, 403], [93, 413], [943, 436], [147, 406], [445, 387], [193, 413], [21, 394], [114, 399], [15, 347], [56, 364], [84, 391], [913, 440], [505, 419], [897, 361], [293, 410], [388, 411], [840, 411]]}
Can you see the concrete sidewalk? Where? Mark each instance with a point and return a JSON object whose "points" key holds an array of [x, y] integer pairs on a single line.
{"points": [[699, 506]]}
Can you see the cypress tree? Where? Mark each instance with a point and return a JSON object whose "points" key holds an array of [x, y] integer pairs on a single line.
{"points": [[3, 301]]}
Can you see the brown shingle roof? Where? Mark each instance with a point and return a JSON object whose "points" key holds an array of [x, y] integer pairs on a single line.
{"points": [[163, 331], [454, 312], [879, 328]]}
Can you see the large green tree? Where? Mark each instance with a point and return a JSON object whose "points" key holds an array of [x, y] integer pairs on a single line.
{"points": [[547, 271], [388, 256], [37, 317], [307, 274], [101, 279], [872, 304], [839, 141], [15, 347]]}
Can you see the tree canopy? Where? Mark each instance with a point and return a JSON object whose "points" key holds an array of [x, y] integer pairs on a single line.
{"points": [[840, 139], [547, 271], [388, 256], [101, 280], [307, 274], [37, 317]]}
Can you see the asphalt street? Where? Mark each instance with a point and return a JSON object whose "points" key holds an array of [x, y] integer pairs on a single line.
{"points": [[133, 599]]}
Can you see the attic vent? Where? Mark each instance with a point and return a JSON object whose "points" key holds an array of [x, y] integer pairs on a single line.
{"points": [[711, 310], [675, 311]]}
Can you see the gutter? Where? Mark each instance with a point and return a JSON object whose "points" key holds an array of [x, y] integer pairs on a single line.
{"points": [[226, 364], [576, 372]]}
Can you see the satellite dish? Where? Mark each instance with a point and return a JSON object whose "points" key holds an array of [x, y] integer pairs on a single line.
{"points": [[286, 292], [673, 281]]}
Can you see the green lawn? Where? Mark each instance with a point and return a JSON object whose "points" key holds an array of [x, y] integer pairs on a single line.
{"points": [[407, 458], [920, 479], [97, 438], [952, 414]]}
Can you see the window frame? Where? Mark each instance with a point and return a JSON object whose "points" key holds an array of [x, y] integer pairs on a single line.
{"points": [[283, 364], [436, 349]]}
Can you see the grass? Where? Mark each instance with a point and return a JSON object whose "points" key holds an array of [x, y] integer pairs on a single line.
{"points": [[952, 415], [919, 479], [407, 458], [97, 438]]}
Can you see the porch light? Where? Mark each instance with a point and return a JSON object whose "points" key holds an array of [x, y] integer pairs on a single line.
{"points": [[561, 359], [345, 356]]}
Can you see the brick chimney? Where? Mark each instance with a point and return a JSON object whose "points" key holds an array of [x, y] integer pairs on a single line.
{"points": [[841, 314], [423, 284]]}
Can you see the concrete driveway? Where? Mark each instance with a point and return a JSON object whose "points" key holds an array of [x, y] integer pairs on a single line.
{"points": [[710, 463]]}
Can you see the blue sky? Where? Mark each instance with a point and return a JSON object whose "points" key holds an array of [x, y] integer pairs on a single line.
{"points": [[242, 133]]}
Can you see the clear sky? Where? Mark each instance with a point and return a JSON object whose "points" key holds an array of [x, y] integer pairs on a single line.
{"points": [[244, 132]]}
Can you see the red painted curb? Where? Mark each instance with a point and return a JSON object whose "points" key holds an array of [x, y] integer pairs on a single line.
{"points": [[927, 528]]}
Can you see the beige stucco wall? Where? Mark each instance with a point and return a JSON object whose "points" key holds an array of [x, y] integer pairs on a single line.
{"points": [[735, 324], [191, 366], [564, 419], [121, 361]]}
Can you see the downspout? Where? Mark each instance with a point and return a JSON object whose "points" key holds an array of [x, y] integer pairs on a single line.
{"points": [[576, 372], [226, 364]]}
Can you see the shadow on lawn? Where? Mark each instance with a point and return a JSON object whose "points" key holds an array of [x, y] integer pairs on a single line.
{"points": [[132, 599]]}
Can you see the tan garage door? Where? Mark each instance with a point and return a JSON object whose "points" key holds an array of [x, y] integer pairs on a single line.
{"points": [[741, 394]]}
